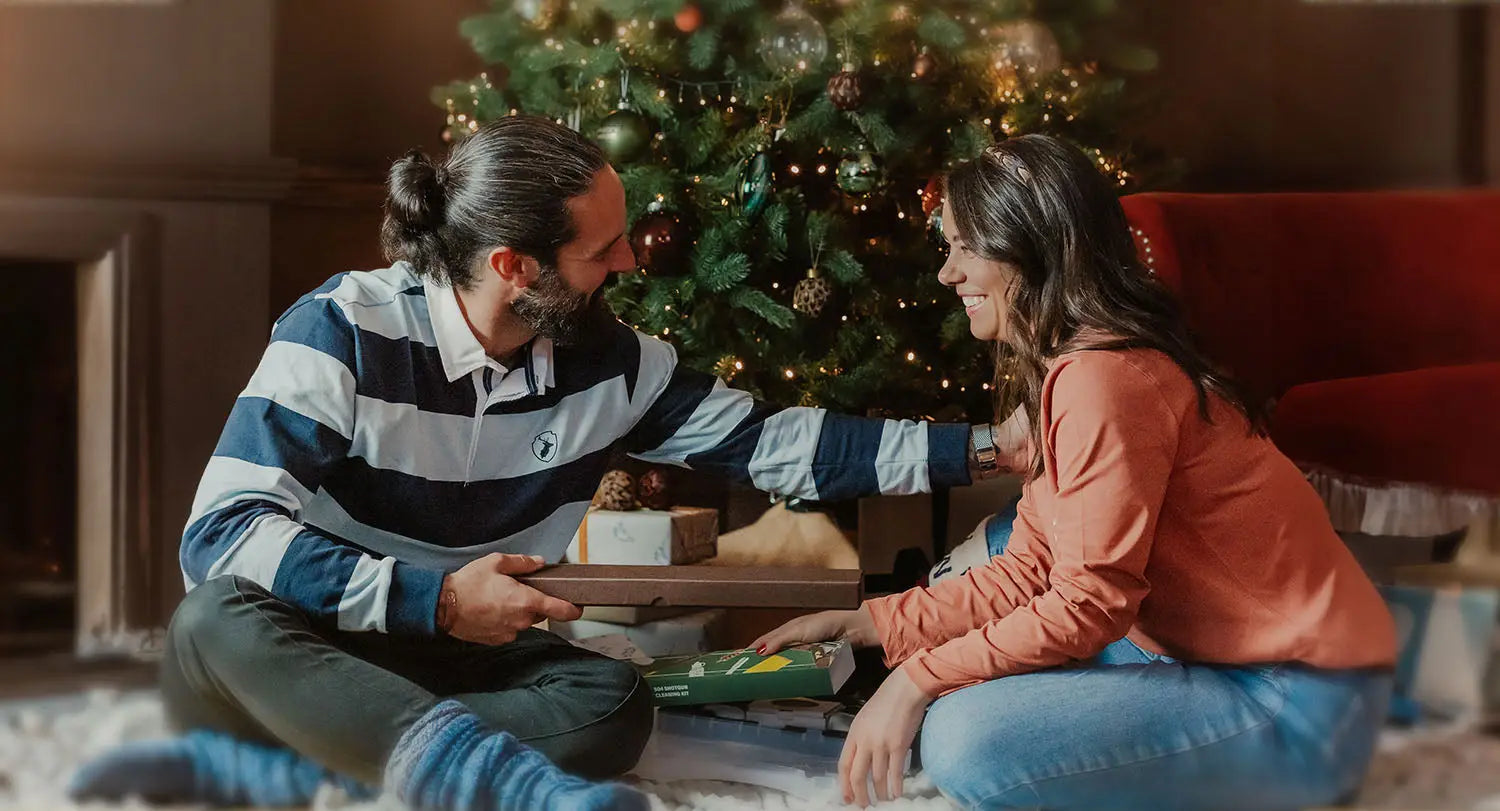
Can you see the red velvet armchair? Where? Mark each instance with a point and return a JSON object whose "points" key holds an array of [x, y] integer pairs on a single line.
{"points": [[1372, 318]]}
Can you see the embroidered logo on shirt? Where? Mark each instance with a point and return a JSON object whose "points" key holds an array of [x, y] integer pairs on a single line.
{"points": [[544, 446]]}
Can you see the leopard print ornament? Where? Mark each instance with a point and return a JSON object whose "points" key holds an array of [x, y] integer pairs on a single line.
{"points": [[811, 295], [616, 492]]}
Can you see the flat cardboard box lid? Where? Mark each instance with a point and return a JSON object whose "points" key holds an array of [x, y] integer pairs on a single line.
{"points": [[1449, 574], [700, 586]]}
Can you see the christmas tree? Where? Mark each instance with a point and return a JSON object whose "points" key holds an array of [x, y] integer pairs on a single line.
{"points": [[780, 166]]}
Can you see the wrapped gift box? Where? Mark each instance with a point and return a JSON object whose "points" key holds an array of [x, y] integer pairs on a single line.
{"points": [[1446, 648], [630, 614], [806, 669], [646, 537], [1448, 632], [695, 632]]}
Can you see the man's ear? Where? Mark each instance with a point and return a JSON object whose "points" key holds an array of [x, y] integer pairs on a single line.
{"points": [[512, 266]]}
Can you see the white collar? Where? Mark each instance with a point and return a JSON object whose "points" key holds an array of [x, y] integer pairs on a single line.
{"points": [[462, 353]]}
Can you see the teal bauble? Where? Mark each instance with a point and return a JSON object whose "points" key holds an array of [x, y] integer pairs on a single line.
{"points": [[754, 189], [859, 173]]}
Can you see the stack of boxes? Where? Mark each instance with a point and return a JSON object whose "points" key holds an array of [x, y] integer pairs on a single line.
{"points": [[669, 537]]}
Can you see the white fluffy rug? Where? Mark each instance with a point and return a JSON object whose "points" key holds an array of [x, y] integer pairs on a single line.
{"points": [[42, 742]]}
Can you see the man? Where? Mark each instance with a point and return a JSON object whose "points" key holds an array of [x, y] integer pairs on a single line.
{"points": [[413, 439]]}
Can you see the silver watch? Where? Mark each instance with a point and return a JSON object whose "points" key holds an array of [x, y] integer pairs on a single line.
{"points": [[986, 458]]}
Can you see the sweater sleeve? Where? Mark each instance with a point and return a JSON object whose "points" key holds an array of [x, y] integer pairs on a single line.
{"points": [[696, 421], [288, 429], [1111, 443], [926, 617]]}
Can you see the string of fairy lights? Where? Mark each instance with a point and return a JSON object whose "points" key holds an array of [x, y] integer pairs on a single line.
{"points": [[1022, 64]]}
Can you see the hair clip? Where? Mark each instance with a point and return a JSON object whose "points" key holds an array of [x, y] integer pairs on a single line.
{"points": [[1009, 162], [1014, 164]]}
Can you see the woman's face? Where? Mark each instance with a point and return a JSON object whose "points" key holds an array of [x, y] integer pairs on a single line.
{"points": [[982, 284]]}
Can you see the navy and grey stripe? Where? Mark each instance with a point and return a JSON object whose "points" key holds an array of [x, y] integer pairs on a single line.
{"points": [[352, 472]]}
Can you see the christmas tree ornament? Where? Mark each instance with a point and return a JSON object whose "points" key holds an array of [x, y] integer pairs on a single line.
{"points": [[935, 230], [794, 42], [844, 89], [811, 294], [859, 173], [688, 18], [625, 134], [932, 195], [660, 241], [450, 133], [1029, 46], [654, 490], [616, 492], [540, 13], [753, 191], [924, 67]]}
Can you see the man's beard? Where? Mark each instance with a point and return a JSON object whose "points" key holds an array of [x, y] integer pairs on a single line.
{"points": [[553, 309]]}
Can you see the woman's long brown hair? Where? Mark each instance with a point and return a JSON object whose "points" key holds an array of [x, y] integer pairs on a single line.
{"points": [[1037, 203]]}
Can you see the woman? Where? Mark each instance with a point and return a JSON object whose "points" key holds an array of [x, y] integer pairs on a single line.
{"points": [[1174, 622]]}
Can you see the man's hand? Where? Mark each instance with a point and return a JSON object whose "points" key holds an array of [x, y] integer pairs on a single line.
{"points": [[855, 626], [879, 739], [490, 607]]}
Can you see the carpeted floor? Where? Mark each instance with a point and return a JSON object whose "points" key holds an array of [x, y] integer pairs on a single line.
{"points": [[42, 741]]}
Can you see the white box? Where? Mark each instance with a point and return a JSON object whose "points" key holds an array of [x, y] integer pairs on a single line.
{"points": [[697, 632], [646, 537]]}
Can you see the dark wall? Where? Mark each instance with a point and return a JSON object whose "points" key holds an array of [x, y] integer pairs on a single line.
{"points": [[1290, 94], [1255, 95], [351, 82]]}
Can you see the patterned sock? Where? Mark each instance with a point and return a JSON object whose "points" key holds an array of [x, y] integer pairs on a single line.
{"points": [[450, 761], [207, 767]]}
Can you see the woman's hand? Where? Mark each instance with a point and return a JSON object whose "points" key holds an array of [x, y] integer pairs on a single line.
{"points": [[1013, 442], [856, 626], [879, 739]]}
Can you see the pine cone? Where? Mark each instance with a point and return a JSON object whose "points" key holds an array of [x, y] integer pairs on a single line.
{"points": [[654, 490], [616, 492]]}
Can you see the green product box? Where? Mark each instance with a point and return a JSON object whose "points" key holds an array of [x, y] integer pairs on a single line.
{"points": [[811, 669]]}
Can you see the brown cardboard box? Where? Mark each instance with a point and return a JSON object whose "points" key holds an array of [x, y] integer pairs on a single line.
{"points": [[701, 586], [888, 524]]}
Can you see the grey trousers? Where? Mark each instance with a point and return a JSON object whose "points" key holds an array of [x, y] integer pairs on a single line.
{"points": [[241, 661]]}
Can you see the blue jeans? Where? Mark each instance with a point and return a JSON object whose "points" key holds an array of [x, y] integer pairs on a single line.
{"points": [[1130, 729]]}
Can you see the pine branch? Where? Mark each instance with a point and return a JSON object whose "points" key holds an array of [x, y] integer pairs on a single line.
{"points": [[761, 304], [775, 220], [843, 267], [819, 117], [725, 273], [703, 48], [955, 327], [941, 30], [877, 130]]}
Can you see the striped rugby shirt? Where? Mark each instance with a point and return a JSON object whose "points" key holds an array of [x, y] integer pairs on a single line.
{"points": [[378, 447]]}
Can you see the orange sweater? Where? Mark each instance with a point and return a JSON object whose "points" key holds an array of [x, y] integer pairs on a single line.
{"points": [[1196, 539]]}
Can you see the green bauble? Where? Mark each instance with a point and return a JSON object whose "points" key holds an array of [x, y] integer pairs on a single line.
{"points": [[754, 189], [624, 136], [860, 173]]}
